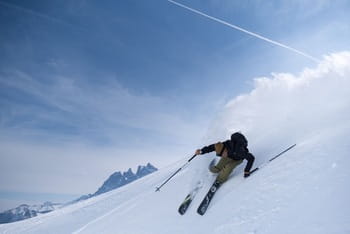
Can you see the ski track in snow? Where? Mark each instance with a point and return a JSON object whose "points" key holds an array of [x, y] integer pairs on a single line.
{"points": [[263, 203], [124, 207]]}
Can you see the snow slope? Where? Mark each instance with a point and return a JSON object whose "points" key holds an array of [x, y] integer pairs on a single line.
{"points": [[304, 191]]}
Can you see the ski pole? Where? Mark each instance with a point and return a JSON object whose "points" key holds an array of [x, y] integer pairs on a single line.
{"points": [[188, 161], [271, 159]]}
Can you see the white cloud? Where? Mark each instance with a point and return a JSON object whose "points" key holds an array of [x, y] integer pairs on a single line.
{"points": [[98, 108], [136, 128]]}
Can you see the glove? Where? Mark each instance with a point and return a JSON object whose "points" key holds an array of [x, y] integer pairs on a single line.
{"points": [[246, 174]]}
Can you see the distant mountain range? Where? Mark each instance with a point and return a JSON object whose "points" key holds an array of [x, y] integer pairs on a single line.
{"points": [[119, 179], [25, 211], [116, 180]]}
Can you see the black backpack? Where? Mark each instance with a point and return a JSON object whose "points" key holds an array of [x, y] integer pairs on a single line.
{"points": [[237, 146]]}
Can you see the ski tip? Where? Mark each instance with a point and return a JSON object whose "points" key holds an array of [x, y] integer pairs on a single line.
{"points": [[181, 212], [200, 213], [202, 209]]}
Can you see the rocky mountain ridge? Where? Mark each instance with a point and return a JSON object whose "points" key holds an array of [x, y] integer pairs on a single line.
{"points": [[116, 180]]}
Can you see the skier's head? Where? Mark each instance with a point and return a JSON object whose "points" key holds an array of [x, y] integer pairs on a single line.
{"points": [[235, 135], [239, 138]]}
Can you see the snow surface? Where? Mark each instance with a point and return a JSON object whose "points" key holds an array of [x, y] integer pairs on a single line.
{"points": [[304, 191]]}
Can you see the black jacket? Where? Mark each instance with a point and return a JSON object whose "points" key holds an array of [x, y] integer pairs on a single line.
{"points": [[239, 154]]}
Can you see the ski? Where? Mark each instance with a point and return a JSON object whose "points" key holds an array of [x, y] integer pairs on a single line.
{"points": [[189, 198], [207, 199]]}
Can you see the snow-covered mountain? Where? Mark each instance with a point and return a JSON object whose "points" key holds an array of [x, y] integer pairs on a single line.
{"points": [[116, 180], [26, 211], [306, 190], [119, 179]]}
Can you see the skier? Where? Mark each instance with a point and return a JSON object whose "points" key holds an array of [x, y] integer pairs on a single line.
{"points": [[232, 153]]}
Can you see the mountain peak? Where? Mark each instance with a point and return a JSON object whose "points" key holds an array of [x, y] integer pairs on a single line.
{"points": [[145, 170], [118, 179]]}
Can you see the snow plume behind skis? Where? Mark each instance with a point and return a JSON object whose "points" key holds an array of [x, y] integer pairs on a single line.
{"points": [[284, 109], [306, 190]]}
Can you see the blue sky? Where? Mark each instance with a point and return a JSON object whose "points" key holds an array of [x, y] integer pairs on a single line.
{"points": [[88, 88]]}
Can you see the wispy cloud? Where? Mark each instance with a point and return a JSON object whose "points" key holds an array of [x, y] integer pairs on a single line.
{"points": [[61, 132], [100, 108], [38, 14]]}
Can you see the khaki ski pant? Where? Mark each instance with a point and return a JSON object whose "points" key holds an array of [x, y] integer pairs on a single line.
{"points": [[224, 167]]}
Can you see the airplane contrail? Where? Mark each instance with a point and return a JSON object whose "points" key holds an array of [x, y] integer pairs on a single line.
{"points": [[246, 31]]}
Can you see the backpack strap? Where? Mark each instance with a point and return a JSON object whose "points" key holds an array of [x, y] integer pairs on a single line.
{"points": [[228, 147], [219, 148], [222, 150]]}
